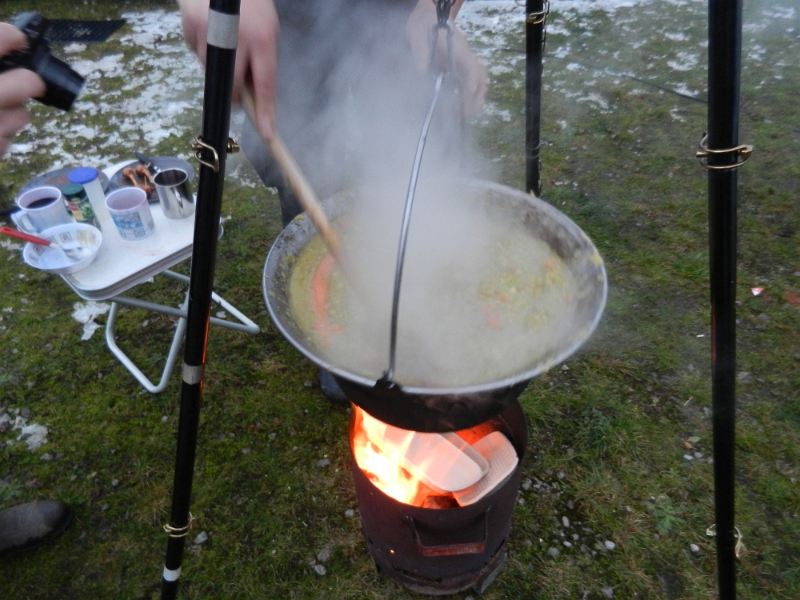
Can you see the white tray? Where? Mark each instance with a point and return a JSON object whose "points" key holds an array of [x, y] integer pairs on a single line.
{"points": [[121, 264]]}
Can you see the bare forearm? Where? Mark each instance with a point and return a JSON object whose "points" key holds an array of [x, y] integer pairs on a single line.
{"points": [[256, 57]]}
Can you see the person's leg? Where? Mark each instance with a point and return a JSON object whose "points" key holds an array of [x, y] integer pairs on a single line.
{"points": [[331, 389], [263, 162], [28, 526]]}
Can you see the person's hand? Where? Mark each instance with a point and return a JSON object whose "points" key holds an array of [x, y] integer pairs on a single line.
{"points": [[256, 53], [470, 71], [16, 86]]}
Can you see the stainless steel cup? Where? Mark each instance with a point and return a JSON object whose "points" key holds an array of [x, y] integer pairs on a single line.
{"points": [[174, 193]]}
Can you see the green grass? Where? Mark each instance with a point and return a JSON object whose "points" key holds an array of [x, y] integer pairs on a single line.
{"points": [[607, 437]]}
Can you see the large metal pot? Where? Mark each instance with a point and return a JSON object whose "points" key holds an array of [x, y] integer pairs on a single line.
{"points": [[445, 408]]}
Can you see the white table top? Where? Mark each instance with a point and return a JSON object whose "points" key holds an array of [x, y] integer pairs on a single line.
{"points": [[122, 264]]}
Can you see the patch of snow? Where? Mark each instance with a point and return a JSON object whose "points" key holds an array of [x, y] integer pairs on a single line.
{"points": [[685, 61], [34, 435], [87, 313], [9, 245], [595, 99]]}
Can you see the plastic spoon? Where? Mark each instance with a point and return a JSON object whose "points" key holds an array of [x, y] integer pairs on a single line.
{"points": [[72, 249]]}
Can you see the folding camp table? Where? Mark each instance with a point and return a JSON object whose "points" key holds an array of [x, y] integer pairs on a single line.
{"points": [[122, 265]]}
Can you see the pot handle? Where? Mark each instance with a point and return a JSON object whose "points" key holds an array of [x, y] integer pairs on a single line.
{"points": [[451, 549]]}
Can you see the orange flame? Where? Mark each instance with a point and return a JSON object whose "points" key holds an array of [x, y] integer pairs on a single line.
{"points": [[385, 473], [383, 467]]}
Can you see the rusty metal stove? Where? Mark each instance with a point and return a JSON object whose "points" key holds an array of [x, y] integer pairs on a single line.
{"points": [[439, 551]]}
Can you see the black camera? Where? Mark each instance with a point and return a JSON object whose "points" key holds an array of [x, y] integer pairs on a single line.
{"points": [[63, 83]]}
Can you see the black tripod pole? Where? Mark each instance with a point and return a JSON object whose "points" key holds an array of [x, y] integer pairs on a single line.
{"points": [[534, 47], [211, 150], [722, 157]]}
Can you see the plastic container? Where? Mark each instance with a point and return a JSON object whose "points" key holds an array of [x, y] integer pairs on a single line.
{"points": [[89, 178]]}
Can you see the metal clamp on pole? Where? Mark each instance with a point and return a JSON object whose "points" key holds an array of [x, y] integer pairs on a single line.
{"points": [[533, 157], [742, 153], [179, 532], [199, 146], [539, 17], [534, 152], [739, 549]]}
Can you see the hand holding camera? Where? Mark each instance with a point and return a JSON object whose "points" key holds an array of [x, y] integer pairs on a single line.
{"points": [[28, 70], [63, 83], [15, 88]]}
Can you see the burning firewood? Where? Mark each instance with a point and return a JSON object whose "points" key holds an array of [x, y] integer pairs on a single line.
{"points": [[443, 462], [432, 470], [502, 459]]}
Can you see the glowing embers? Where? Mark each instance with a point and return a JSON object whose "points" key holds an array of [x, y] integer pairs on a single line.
{"points": [[432, 470]]}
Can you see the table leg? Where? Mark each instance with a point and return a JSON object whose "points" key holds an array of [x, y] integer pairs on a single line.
{"points": [[245, 325], [172, 357]]}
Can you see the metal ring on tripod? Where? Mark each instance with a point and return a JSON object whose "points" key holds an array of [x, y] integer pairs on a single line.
{"points": [[742, 152], [179, 532]]}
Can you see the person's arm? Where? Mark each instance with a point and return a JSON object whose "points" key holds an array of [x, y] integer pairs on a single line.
{"points": [[470, 70], [256, 53], [16, 86]]}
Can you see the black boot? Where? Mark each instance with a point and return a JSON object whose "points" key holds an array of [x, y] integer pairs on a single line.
{"points": [[28, 526], [331, 389]]}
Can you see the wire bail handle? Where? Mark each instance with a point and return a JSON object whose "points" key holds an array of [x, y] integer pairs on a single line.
{"points": [[443, 22]]}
